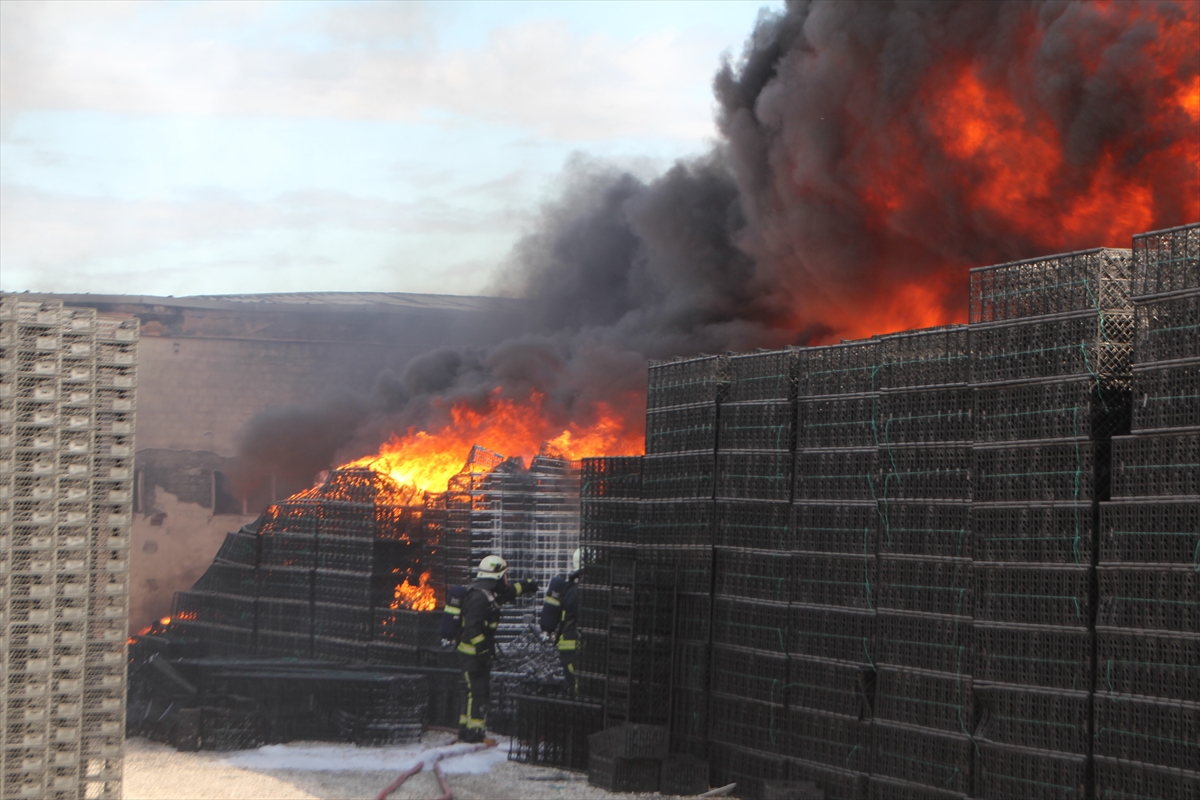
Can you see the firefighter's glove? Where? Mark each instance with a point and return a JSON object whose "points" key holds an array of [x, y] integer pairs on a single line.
{"points": [[447, 643], [548, 638], [528, 586]]}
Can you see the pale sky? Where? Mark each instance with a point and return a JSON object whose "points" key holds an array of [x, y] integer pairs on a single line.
{"points": [[231, 147]]}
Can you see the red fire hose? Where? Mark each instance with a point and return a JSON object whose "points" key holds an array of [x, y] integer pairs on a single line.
{"points": [[437, 770]]}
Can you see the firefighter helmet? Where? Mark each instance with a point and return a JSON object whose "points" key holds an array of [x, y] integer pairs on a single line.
{"points": [[492, 567]]}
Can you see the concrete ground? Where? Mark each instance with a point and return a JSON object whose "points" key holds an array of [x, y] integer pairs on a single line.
{"points": [[158, 772]]}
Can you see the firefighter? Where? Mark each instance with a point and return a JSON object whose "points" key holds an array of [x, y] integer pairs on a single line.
{"points": [[480, 616], [560, 615]]}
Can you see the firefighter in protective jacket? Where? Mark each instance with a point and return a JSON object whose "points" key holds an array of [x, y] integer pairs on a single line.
{"points": [[480, 616], [560, 617]]}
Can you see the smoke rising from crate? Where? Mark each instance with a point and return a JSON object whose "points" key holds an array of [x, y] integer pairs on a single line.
{"points": [[869, 154]]}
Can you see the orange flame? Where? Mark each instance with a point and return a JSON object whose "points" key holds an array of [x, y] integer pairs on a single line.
{"points": [[418, 598], [427, 459]]}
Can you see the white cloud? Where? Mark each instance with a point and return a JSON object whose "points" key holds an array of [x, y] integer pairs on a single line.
{"points": [[349, 62]]}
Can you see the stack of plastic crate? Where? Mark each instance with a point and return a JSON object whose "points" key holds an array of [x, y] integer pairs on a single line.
{"points": [[752, 570], [922, 730], [610, 491], [66, 418], [1050, 346], [637, 672], [675, 528], [831, 622], [1147, 707]]}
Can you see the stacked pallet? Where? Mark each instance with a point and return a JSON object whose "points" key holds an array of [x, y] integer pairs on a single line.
{"points": [[1147, 706], [67, 384], [675, 524], [922, 650], [752, 570], [1050, 346]]}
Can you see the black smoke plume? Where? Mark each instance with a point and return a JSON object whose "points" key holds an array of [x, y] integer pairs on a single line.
{"points": [[845, 184]]}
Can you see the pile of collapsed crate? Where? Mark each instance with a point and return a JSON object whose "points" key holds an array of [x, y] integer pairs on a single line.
{"points": [[1146, 737], [1050, 347], [67, 383]]}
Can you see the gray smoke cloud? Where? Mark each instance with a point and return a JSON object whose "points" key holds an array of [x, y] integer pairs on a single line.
{"points": [[836, 185]]}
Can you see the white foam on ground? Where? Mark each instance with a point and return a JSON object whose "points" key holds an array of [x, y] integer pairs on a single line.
{"points": [[330, 757]]}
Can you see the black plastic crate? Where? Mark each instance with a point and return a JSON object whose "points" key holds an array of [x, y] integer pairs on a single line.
{"points": [[926, 357], [1168, 329], [689, 720], [764, 425], [935, 759], [553, 732], [924, 641], [616, 774], [753, 624], [611, 477], [288, 550], [834, 783], [224, 578], [846, 368], [285, 616], [1148, 663], [1044, 533], [748, 768], [752, 674], [830, 739], [631, 741], [925, 528], [1052, 658], [1034, 594], [1152, 731], [1043, 719], [791, 790], [691, 667], [675, 523], [1158, 465], [334, 621], [691, 565], [686, 381], [1017, 773], [837, 421], [215, 609], [935, 700], [762, 525], [345, 553], [823, 684], [765, 375], [1117, 779], [341, 650], [285, 583], [927, 585], [1083, 407], [239, 547], [924, 472], [847, 581], [689, 476], [1053, 347], [1165, 396], [752, 574], [683, 775], [1167, 260], [1149, 597], [881, 788], [762, 475], [1094, 280], [681, 429], [1039, 472], [754, 724], [832, 527], [284, 645], [925, 416], [836, 474], [831, 632], [348, 588]]}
